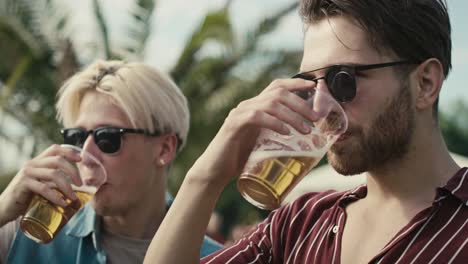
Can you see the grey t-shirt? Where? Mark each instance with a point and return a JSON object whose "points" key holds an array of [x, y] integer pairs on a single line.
{"points": [[7, 235], [121, 249]]}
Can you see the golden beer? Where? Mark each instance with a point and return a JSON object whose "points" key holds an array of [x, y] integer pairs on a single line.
{"points": [[279, 161], [43, 219], [269, 176]]}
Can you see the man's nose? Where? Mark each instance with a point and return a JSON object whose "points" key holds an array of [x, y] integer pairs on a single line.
{"points": [[322, 85], [90, 148]]}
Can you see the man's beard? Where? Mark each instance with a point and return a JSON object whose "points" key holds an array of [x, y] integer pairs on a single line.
{"points": [[388, 138]]}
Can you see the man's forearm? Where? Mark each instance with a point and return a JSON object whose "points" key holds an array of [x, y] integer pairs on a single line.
{"points": [[180, 236]]}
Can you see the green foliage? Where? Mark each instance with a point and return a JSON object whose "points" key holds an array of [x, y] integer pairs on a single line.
{"points": [[5, 180], [211, 84], [103, 28], [454, 127], [29, 72], [38, 55], [216, 82], [140, 28]]}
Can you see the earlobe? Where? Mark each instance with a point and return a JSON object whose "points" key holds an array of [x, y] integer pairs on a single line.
{"points": [[166, 150], [429, 82]]}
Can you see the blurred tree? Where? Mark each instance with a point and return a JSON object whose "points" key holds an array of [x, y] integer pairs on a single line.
{"points": [[38, 54], [33, 62], [4, 180], [454, 126], [216, 70]]}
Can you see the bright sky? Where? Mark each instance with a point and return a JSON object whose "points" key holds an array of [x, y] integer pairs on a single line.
{"points": [[174, 20], [171, 27]]}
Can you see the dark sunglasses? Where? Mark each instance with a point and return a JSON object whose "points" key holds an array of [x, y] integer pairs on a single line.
{"points": [[341, 79], [108, 139]]}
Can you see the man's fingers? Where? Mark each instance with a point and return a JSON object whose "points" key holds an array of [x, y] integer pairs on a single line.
{"points": [[48, 193], [50, 177], [291, 85], [69, 168], [56, 150]]}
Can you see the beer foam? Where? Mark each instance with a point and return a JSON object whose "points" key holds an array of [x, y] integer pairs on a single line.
{"points": [[314, 141], [257, 156], [85, 188]]}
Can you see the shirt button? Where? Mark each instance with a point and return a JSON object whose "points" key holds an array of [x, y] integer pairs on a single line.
{"points": [[335, 229]]}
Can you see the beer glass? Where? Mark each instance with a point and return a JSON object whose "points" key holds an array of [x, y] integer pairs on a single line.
{"points": [[278, 162], [44, 219]]}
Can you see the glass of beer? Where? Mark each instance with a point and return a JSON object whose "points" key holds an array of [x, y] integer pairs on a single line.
{"points": [[44, 219], [278, 162]]}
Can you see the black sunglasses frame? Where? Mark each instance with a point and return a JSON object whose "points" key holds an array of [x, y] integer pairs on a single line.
{"points": [[112, 133], [345, 94]]}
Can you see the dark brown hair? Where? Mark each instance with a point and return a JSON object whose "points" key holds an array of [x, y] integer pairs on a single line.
{"points": [[415, 30]]}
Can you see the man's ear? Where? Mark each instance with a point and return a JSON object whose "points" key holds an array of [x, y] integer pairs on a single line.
{"points": [[429, 79], [166, 149]]}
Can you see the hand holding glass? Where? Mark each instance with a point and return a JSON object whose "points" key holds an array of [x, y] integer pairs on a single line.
{"points": [[44, 219], [278, 162]]}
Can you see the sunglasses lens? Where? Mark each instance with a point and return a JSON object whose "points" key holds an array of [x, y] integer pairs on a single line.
{"points": [[74, 136], [107, 139], [343, 86]]}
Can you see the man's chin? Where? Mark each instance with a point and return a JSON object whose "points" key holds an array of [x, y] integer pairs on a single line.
{"points": [[345, 164]]}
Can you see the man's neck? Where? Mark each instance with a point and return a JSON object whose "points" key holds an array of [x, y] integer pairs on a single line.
{"points": [[411, 181], [141, 221]]}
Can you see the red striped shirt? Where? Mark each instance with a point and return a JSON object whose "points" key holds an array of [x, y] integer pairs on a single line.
{"points": [[309, 231]]}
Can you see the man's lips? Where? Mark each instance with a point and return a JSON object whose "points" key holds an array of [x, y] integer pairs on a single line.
{"points": [[343, 137]]}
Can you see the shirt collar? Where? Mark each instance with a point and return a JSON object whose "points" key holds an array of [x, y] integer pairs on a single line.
{"points": [[352, 195], [458, 185], [83, 223]]}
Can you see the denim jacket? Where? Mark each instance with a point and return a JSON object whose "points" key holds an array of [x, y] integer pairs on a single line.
{"points": [[77, 242]]}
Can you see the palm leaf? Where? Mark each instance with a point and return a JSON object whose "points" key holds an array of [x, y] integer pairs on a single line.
{"points": [[217, 82], [140, 28], [29, 42], [215, 27], [267, 26], [103, 28]]}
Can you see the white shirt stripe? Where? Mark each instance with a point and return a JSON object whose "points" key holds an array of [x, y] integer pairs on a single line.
{"points": [[272, 222], [461, 183], [271, 255], [292, 251], [297, 214], [414, 238], [458, 251], [398, 237], [308, 234], [235, 245], [436, 234], [284, 226], [440, 199], [336, 238], [448, 242], [239, 252], [325, 234], [311, 209], [258, 256], [245, 249]]}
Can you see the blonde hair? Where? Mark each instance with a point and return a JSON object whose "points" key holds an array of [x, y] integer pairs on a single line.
{"points": [[150, 99]]}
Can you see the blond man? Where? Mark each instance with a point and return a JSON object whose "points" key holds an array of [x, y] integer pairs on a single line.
{"points": [[134, 120]]}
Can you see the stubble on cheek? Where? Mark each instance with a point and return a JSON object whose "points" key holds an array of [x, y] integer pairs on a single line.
{"points": [[387, 139]]}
